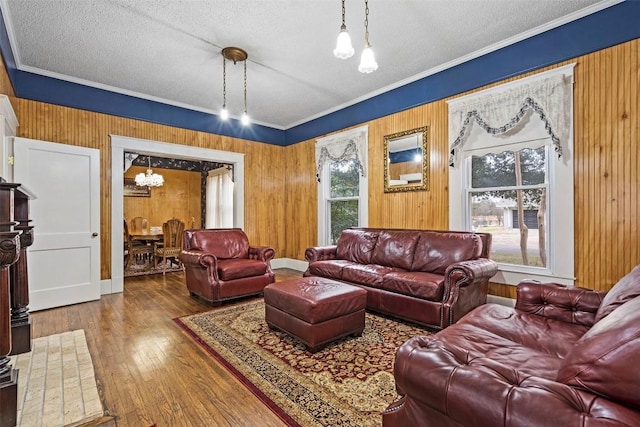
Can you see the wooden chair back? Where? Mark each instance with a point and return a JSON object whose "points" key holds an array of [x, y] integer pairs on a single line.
{"points": [[172, 231], [139, 224]]}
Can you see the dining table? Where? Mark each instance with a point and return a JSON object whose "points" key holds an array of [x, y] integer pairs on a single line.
{"points": [[148, 236]]}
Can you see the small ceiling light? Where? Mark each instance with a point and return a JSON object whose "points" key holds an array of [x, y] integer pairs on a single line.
{"points": [[418, 156], [234, 54], [343, 48], [368, 62], [149, 179]]}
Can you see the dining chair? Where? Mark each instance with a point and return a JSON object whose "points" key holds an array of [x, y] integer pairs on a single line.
{"points": [[171, 245], [139, 224], [134, 249]]}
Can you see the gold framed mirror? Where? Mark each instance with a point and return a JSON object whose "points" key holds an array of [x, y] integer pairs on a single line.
{"points": [[406, 161]]}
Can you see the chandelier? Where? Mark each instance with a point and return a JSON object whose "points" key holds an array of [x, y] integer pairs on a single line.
{"points": [[149, 179], [234, 54]]}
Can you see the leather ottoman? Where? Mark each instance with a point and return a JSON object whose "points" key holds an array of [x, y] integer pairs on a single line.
{"points": [[315, 310]]}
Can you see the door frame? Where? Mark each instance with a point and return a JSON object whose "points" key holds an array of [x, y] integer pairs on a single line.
{"points": [[120, 144]]}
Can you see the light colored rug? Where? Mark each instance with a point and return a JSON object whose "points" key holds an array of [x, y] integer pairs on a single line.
{"points": [[348, 384], [56, 382]]}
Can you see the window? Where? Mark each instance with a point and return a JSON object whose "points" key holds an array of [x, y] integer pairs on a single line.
{"points": [[512, 174], [342, 183], [507, 198]]}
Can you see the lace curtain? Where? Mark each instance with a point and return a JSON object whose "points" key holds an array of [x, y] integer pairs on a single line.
{"points": [[497, 113], [350, 145], [219, 199]]}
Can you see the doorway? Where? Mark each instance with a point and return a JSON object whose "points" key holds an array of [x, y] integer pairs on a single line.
{"points": [[120, 144]]}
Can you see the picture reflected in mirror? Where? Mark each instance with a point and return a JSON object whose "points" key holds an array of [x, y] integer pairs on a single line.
{"points": [[406, 161]]}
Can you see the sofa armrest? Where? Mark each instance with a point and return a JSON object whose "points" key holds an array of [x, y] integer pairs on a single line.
{"points": [[466, 285], [320, 253], [559, 302], [469, 273], [262, 253], [484, 392], [201, 259]]}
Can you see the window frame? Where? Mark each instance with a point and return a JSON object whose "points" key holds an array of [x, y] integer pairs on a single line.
{"points": [[560, 214], [324, 190]]}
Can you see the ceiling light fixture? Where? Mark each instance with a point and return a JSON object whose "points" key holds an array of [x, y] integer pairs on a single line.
{"points": [[234, 54], [149, 179], [224, 113], [343, 48], [368, 62]]}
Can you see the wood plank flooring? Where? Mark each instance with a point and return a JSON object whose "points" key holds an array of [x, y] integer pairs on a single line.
{"points": [[148, 370]]}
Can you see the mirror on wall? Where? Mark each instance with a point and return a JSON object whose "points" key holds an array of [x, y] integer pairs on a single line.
{"points": [[406, 161]]}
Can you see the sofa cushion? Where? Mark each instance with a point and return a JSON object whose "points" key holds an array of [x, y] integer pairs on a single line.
{"points": [[331, 268], [357, 245], [626, 289], [417, 284], [543, 334], [604, 361], [230, 269], [472, 345], [435, 251], [395, 249], [224, 244], [370, 275]]}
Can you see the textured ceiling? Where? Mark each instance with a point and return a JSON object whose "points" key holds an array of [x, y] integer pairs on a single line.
{"points": [[169, 51]]}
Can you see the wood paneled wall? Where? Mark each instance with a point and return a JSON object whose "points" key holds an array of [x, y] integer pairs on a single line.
{"points": [[281, 191], [606, 164], [264, 165], [179, 197], [6, 87]]}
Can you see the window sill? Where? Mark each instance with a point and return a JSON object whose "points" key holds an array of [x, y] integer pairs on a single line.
{"points": [[512, 275]]}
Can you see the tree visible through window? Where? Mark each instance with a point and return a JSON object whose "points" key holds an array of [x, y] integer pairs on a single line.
{"points": [[344, 192], [508, 186]]}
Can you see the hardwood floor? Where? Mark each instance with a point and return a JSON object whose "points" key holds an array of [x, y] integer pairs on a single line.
{"points": [[148, 370]]}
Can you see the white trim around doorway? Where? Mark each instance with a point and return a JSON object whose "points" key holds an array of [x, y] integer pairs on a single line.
{"points": [[120, 144]]}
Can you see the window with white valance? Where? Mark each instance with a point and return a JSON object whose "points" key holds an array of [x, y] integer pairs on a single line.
{"points": [[510, 161], [498, 111], [348, 145], [341, 172]]}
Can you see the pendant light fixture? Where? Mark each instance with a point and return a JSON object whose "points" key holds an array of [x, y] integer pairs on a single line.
{"points": [[149, 179], [234, 54], [224, 113], [368, 62], [245, 116], [343, 48]]}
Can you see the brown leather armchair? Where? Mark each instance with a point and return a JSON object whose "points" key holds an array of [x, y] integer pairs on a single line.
{"points": [[220, 264]]}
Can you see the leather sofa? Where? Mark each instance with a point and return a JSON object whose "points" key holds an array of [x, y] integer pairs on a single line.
{"points": [[220, 264], [424, 276], [564, 356]]}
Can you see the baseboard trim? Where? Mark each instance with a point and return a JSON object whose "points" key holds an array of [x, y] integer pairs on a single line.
{"points": [[291, 263]]}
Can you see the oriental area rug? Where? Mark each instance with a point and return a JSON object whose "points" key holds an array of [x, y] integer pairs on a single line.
{"points": [[348, 383]]}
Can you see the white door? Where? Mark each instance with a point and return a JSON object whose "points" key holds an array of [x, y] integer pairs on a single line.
{"points": [[64, 260]]}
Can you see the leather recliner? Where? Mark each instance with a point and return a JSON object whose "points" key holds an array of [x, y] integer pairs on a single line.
{"points": [[221, 265]]}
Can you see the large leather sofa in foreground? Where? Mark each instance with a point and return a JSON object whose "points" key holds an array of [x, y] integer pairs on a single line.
{"points": [[428, 277], [564, 356], [220, 264]]}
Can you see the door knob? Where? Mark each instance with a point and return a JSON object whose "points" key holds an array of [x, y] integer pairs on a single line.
{"points": [[94, 234]]}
